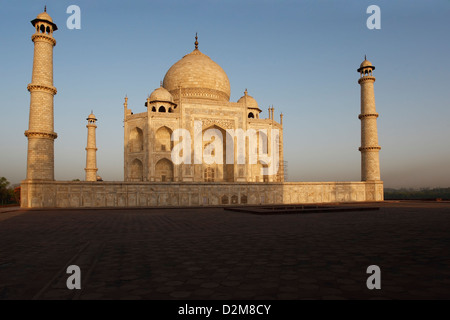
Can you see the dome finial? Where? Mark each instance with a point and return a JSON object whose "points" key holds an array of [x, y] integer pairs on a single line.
{"points": [[196, 42], [365, 57], [160, 84], [245, 92], [45, 8]]}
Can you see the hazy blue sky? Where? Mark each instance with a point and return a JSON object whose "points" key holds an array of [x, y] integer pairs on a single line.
{"points": [[300, 56]]}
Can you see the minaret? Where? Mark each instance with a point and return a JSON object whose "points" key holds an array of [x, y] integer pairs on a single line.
{"points": [[40, 133], [91, 150], [281, 152], [127, 111], [370, 160]]}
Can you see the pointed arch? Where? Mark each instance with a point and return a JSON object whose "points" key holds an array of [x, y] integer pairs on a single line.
{"points": [[263, 142], [136, 140], [222, 171], [163, 142], [265, 169], [224, 199], [209, 174], [137, 173], [164, 170]]}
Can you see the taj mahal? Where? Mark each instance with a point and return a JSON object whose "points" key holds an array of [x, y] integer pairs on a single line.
{"points": [[196, 89], [186, 145]]}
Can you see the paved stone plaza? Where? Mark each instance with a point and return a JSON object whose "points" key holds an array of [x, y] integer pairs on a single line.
{"points": [[210, 253]]}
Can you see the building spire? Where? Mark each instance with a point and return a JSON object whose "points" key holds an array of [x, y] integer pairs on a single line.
{"points": [[196, 41], [91, 150], [370, 158], [40, 163]]}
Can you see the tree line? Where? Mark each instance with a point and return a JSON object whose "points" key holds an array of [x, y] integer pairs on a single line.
{"points": [[417, 194], [8, 194]]}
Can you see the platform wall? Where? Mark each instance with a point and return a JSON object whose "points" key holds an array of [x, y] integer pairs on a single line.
{"points": [[65, 194]]}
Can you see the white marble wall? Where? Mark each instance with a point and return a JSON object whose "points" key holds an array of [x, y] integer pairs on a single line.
{"points": [[74, 194]]}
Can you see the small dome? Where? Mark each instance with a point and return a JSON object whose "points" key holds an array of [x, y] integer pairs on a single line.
{"points": [[91, 117], [366, 63], [161, 94], [44, 16], [251, 102]]}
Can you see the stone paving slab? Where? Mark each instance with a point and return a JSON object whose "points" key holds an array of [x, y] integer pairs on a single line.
{"points": [[211, 253]]}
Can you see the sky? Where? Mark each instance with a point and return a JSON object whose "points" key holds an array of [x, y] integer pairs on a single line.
{"points": [[299, 56]]}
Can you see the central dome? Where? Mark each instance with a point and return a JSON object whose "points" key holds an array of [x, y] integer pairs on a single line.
{"points": [[199, 78]]}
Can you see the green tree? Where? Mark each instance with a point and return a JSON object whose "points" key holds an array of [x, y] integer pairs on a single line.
{"points": [[4, 190]]}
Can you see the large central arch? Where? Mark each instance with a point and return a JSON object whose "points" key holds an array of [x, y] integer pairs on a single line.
{"points": [[222, 172]]}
